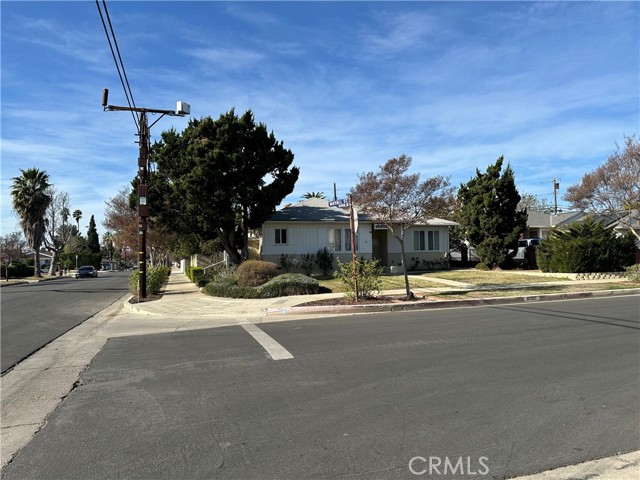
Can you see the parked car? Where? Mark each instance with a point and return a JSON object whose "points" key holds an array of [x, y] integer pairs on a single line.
{"points": [[523, 245], [86, 271]]}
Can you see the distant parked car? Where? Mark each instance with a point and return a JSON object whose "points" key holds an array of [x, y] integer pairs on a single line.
{"points": [[86, 271]]}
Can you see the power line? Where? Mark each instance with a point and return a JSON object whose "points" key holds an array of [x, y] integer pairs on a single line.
{"points": [[124, 80]]}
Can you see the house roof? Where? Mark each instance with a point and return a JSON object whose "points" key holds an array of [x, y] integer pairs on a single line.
{"points": [[548, 220], [318, 210]]}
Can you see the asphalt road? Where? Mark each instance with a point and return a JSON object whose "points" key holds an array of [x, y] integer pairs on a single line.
{"points": [[35, 314], [494, 391]]}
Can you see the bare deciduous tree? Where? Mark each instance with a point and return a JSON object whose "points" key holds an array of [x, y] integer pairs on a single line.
{"points": [[613, 188], [399, 200], [13, 246], [122, 223], [58, 230]]}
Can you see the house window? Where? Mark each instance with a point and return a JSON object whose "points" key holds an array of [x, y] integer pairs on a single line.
{"points": [[434, 240], [426, 240], [281, 235], [347, 240], [335, 239]]}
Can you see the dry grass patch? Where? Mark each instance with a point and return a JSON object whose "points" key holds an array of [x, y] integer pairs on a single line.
{"points": [[503, 277], [390, 282], [535, 291]]}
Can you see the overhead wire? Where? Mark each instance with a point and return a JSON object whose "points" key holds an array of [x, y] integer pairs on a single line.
{"points": [[122, 73]]}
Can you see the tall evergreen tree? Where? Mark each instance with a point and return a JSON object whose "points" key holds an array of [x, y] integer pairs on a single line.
{"points": [[218, 179], [30, 201], [488, 213], [93, 241]]}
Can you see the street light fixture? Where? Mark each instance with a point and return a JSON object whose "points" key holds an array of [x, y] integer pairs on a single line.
{"points": [[144, 131]]}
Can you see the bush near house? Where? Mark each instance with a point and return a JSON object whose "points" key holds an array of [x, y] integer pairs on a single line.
{"points": [[18, 270], [252, 273], [633, 273], [369, 281], [303, 263], [586, 247], [324, 260], [282, 285]]}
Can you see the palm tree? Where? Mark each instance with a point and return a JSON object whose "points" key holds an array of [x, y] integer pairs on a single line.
{"points": [[314, 195], [30, 201], [77, 214]]}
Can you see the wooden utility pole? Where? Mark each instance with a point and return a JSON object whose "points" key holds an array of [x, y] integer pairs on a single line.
{"points": [[556, 187], [144, 130]]}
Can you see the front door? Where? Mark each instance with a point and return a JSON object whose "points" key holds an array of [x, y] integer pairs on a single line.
{"points": [[379, 246]]}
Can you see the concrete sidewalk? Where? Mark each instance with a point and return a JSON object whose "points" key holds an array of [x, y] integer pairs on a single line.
{"points": [[181, 297]]}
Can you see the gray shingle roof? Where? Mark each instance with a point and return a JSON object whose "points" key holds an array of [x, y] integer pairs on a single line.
{"points": [[318, 210]]}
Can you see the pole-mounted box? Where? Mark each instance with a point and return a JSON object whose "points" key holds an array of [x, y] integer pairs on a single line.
{"points": [[183, 108]]}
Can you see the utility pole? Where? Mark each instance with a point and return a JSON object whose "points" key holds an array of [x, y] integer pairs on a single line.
{"points": [[556, 187], [144, 130]]}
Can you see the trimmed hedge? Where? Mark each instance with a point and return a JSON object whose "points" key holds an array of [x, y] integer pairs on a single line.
{"points": [[283, 285], [227, 287], [156, 277], [195, 273], [252, 273], [290, 284]]}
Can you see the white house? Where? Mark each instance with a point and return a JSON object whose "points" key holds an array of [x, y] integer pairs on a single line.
{"points": [[311, 224]]}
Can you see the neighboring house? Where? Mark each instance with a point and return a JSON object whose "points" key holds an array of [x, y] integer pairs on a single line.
{"points": [[311, 225], [540, 224], [45, 259]]}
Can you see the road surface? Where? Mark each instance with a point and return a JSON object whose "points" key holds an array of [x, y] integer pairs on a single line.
{"points": [[494, 391], [35, 314]]}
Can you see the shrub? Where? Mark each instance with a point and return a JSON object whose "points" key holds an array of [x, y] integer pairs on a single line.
{"points": [[289, 284], [633, 273], [195, 273], [286, 262], [324, 259], [227, 287], [306, 263], [482, 266], [252, 273], [369, 281], [584, 248], [18, 270], [156, 277], [282, 285]]}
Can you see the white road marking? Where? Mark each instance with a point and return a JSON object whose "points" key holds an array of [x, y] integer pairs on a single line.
{"points": [[273, 348]]}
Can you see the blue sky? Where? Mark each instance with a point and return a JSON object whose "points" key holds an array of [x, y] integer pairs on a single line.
{"points": [[552, 86]]}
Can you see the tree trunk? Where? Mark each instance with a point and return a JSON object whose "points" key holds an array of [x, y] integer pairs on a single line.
{"points": [[245, 233], [404, 269], [236, 258], [36, 263], [54, 262]]}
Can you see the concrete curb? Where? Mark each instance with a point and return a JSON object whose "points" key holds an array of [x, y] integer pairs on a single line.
{"points": [[625, 466], [133, 308], [435, 304]]}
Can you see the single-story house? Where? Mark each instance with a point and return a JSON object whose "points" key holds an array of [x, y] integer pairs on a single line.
{"points": [[540, 223], [311, 225]]}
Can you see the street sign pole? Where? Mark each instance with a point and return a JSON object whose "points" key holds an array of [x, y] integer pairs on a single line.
{"points": [[353, 248]]}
